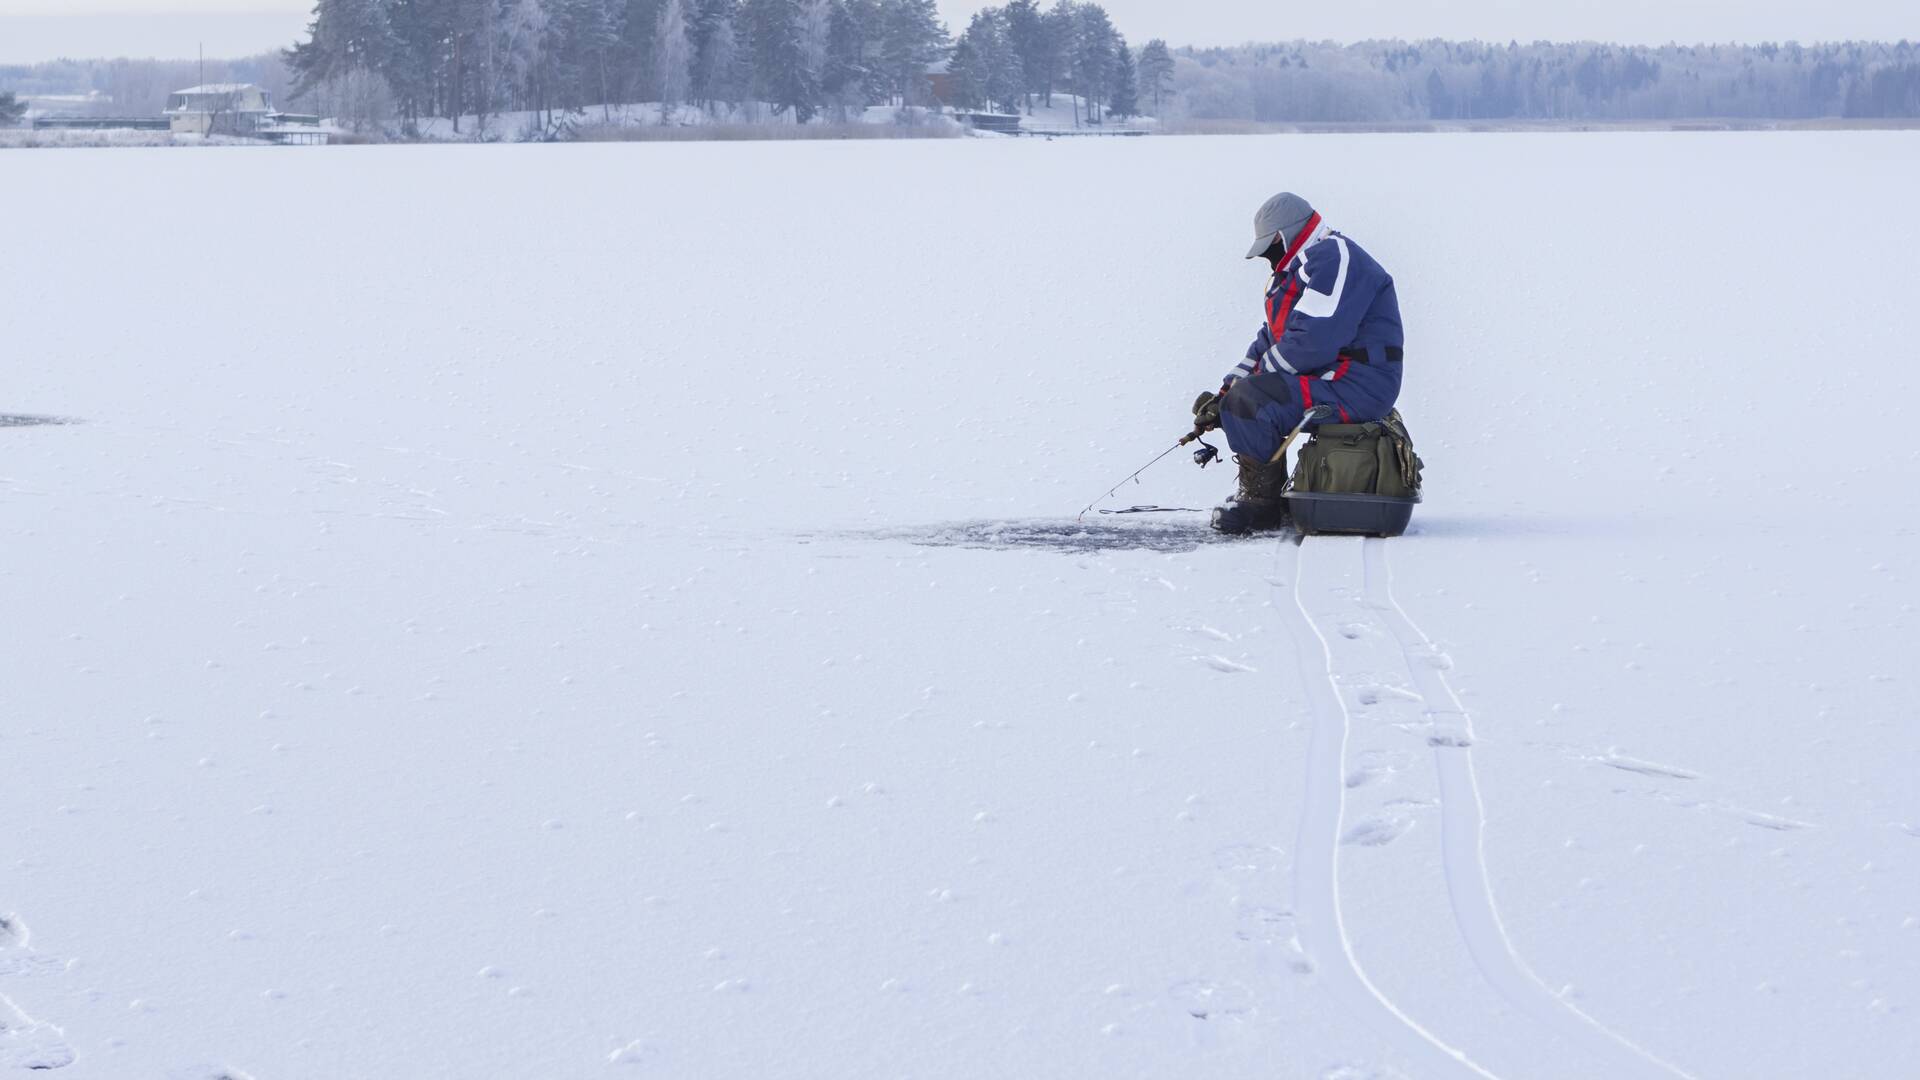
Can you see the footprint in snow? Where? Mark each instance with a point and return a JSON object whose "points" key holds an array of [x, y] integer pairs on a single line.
{"points": [[1378, 830], [1224, 665], [1204, 999], [638, 1052], [1246, 858], [1374, 693], [1273, 926], [1367, 774]]}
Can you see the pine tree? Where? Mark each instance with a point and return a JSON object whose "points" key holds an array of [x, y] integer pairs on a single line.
{"points": [[966, 76], [1125, 99], [1026, 35], [716, 52], [989, 68], [588, 36], [1059, 30], [911, 40], [1156, 72], [867, 17], [1007, 77], [727, 64], [488, 76], [673, 56], [814, 25], [11, 109], [845, 77], [778, 63], [524, 35], [636, 53], [345, 36], [1092, 60]]}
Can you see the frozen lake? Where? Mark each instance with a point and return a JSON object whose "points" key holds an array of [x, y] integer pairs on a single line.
{"points": [[528, 611]]}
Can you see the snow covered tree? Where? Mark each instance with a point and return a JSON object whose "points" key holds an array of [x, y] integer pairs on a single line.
{"points": [[345, 36], [459, 58], [912, 38], [524, 31], [1026, 33], [635, 54], [1092, 60], [846, 77], [716, 52], [966, 76], [815, 25], [777, 60], [1006, 75], [11, 109], [1124, 98], [984, 61], [1156, 73], [673, 56], [1003, 75], [587, 37], [1059, 30]]}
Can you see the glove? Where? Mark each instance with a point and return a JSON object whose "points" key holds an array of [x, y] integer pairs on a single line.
{"points": [[1206, 412]]}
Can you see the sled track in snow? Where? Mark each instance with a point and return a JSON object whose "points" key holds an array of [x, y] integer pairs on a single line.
{"points": [[1462, 825], [1462, 828], [1316, 866]]}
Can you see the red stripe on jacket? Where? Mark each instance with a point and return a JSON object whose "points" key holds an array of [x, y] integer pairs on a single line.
{"points": [[1277, 312]]}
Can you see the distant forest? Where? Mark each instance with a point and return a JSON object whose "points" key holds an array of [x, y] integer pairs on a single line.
{"points": [[378, 65], [1397, 81]]}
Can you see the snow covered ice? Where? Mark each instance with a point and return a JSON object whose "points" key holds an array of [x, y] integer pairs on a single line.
{"points": [[554, 611]]}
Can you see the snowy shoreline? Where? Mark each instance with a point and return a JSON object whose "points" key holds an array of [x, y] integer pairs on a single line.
{"points": [[589, 131]]}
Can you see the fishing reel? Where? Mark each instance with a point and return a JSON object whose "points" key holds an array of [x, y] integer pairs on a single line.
{"points": [[1206, 455]]}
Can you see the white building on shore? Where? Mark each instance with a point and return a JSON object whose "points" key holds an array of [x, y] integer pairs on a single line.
{"points": [[220, 109]]}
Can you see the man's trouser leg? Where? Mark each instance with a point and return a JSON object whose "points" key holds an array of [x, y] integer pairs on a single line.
{"points": [[1257, 414], [1256, 417]]}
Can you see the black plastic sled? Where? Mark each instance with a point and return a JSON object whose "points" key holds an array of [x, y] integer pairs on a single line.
{"points": [[1316, 512]]}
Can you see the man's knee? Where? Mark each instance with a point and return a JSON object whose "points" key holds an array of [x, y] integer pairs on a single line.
{"points": [[1247, 396]]}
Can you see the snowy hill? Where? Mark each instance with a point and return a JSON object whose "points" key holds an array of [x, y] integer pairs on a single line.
{"points": [[475, 632]]}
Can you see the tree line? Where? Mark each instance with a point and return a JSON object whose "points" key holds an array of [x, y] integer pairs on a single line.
{"points": [[457, 58], [840, 56], [1011, 56], [1398, 81]]}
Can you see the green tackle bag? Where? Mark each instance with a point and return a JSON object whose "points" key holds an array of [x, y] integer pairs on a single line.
{"points": [[1375, 458]]}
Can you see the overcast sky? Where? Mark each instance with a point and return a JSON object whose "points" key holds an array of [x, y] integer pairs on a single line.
{"points": [[41, 29]]}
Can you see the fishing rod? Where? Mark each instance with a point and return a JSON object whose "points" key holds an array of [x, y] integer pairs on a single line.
{"points": [[1202, 457]]}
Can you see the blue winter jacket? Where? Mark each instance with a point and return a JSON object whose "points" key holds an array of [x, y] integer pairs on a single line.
{"points": [[1332, 316]]}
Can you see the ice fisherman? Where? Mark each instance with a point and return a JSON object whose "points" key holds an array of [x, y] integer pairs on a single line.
{"points": [[1331, 336]]}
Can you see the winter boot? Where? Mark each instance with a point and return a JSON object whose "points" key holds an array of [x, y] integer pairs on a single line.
{"points": [[1257, 504]]}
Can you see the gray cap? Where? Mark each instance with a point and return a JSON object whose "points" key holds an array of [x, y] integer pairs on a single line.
{"points": [[1280, 218]]}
